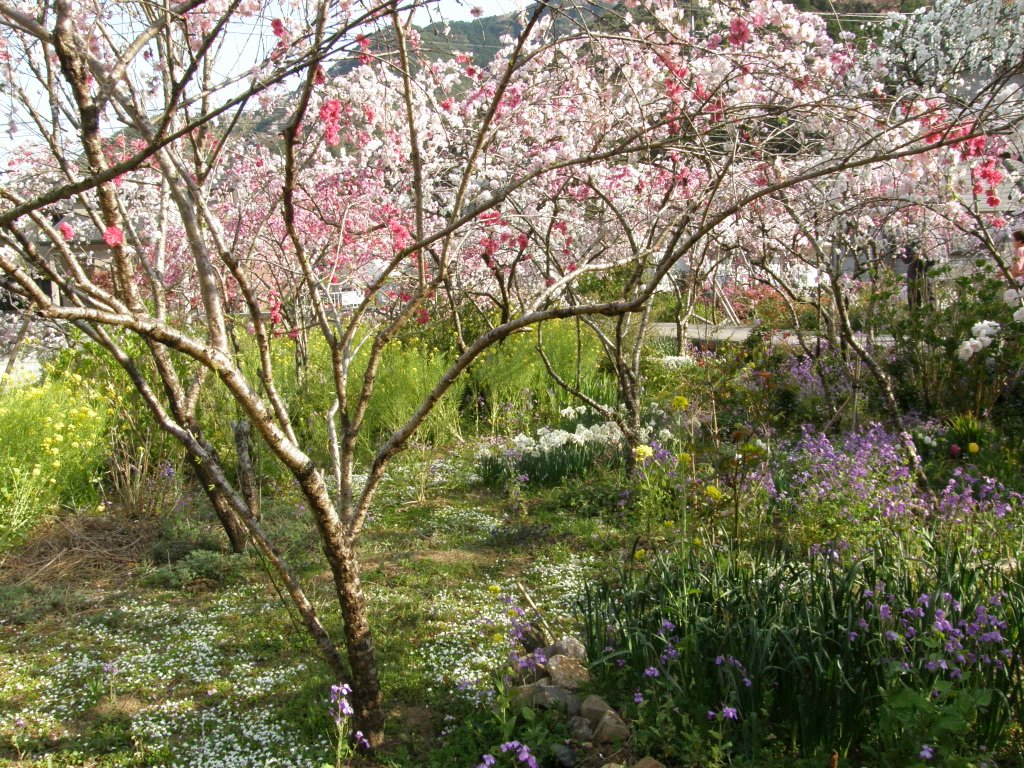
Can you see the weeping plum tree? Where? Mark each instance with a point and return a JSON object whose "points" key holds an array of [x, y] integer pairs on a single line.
{"points": [[423, 188]]}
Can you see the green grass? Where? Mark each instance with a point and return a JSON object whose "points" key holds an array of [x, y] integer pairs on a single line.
{"points": [[212, 669]]}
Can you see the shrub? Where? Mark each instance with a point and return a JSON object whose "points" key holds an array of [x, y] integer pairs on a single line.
{"points": [[52, 447]]}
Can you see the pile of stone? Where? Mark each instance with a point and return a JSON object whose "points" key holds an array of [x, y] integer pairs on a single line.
{"points": [[559, 674]]}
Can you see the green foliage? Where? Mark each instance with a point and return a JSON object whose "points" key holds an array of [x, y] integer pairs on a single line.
{"points": [[813, 655], [546, 467], [510, 386], [214, 568], [53, 441], [924, 366]]}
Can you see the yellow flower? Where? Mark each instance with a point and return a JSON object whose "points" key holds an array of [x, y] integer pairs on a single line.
{"points": [[684, 458], [642, 452], [680, 402], [640, 554], [713, 493], [973, 447], [494, 589]]}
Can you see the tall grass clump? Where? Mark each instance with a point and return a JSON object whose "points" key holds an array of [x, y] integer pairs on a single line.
{"points": [[910, 650], [512, 389], [52, 451]]}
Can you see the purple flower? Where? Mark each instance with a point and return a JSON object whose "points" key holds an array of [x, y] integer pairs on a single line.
{"points": [[927, 753], [651, 672], [638, 698], [730, 713], [712, 715], [487, 761], [362, 743]]}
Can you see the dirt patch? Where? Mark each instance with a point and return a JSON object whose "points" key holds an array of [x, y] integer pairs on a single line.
{"points": [[456, 556], [119, 707], [409, 726]]}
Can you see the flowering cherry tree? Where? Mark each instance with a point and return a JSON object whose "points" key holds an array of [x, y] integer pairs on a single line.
{"points": [[420, 188]]}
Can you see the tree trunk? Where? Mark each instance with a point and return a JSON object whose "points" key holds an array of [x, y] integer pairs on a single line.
{"points": [[246, 473], [367, 699]]}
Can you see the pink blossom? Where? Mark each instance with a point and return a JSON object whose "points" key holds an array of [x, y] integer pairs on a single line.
{"points": [[113, 236], [739, 32], [65, 230]]}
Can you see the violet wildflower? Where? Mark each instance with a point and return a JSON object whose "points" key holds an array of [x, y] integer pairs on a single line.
{"points": [[522, 751], [927, 753], [638, 698], [486, 761], [651, 672], [730, 713]]}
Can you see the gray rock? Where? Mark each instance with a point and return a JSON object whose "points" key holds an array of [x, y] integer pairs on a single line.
{"points": [[579, 728], [567, 646], [567, 672], [554, 697], [564, 755], [543, 695], [649, 762], [594, 708], [528, 695], [531, 675], [611, 729]]}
